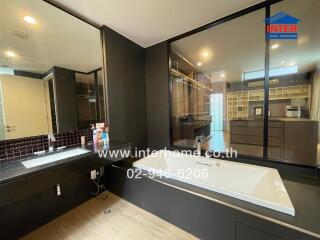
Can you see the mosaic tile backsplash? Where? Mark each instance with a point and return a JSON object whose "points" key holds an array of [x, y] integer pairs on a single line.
{"points": [[23, 147]]}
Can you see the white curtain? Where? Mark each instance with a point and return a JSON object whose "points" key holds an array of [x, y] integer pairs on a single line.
{"points": [[315, 103]]}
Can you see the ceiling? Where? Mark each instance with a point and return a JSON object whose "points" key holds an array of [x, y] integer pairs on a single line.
{"points": [[57, 38], [238, 46], [148, 22]]}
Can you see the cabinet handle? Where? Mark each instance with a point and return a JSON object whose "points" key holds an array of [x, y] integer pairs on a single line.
{"points": [[10, 130]]}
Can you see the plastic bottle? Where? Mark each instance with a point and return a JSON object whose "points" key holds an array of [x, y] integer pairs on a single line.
{"points": [[105, 137], [94, 136]]}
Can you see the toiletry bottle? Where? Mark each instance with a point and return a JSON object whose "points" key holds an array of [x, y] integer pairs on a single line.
{"points": [[94, 136], [107, 134], [99, 128], [104, 137]]}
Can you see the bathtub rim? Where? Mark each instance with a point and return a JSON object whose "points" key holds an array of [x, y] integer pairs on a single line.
{"points": [[229, 193]]}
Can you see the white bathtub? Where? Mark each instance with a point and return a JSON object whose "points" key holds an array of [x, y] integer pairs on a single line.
{"points": [[258, 185]]}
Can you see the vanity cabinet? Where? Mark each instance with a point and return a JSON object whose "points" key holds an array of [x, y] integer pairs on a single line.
{"points": [[47, 179], [30, 201]]}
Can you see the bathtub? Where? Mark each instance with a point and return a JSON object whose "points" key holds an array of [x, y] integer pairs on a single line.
{"points": [[258, 185]]}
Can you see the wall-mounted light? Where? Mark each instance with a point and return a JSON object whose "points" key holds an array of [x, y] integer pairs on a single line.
{"points": [[275, 46]]}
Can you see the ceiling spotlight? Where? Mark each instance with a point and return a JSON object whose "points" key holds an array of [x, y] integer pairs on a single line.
{"points": [[275, 46], [199, 64], [29, 19], [10, 54], [205, 54]]}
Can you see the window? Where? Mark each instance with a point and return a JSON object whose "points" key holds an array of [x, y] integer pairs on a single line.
{"points": [[273, 72]]}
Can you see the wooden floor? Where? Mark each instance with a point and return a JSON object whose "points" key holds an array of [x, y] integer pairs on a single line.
{"points": [[108, 217]]}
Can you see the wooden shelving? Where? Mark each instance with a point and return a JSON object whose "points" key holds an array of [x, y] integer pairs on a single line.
{"points": [[238, 102], [237, 105]]}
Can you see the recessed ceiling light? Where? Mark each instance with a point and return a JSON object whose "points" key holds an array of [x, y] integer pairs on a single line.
{"points": [[29, 19], [291, 64], [10, 54], [205, 54], [222, 75], [275, 46], [199, 64]]}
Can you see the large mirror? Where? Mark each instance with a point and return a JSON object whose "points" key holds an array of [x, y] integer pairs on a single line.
{"points": [[50, 75]]}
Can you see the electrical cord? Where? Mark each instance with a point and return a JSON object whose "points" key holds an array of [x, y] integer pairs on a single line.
{"points": [[98, 185]]}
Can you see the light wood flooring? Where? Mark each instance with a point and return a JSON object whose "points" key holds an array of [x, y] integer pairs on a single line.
{"points": [[108, 217]]}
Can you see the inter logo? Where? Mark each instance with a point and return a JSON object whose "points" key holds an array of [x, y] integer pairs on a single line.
{"points": [[282, 26]]}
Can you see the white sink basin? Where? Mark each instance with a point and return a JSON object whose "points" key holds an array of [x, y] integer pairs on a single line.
{"points": [[54, 157]]}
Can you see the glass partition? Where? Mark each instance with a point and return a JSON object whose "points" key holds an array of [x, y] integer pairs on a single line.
{"points": [[294, 100], [219, 81], [214, 97]]}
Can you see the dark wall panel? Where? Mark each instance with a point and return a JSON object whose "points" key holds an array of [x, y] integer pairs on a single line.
{"points": [[125, 73], [157, 92], [65, 99]]}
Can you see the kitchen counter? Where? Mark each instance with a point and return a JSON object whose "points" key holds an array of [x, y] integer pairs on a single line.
{"points": [[14, 169]]}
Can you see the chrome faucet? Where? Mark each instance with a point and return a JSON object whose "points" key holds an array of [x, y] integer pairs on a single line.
{"points": [[51, 140], [198, 144]]}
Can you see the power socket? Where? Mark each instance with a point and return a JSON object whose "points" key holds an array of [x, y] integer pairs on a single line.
{"points": [[93, 174]]}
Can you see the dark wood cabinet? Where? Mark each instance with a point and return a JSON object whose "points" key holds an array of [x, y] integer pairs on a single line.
{"points": [[31, 201], [290, 140]]}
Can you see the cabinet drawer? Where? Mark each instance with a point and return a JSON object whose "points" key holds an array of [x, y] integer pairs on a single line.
{"points": [[275, 124], [275, 132], [254, 140], [239, 123], [274, 141], [47, 178], [253, 131]]}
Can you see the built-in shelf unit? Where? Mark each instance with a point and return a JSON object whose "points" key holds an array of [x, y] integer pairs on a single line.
{"points": [[238, 102]]}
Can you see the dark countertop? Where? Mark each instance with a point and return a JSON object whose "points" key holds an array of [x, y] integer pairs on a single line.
{"points": [[281, 119], [14, 169], [304, 193], [195, 123]]}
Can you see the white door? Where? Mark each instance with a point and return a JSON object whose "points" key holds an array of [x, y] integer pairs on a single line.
{"points": [[24, 106]]}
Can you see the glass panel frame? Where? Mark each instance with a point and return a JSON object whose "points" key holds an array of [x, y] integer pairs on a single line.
{"points": [[267, 73]]}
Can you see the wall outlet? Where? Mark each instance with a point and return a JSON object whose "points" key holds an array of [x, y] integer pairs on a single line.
{"points": [[93, 174]]}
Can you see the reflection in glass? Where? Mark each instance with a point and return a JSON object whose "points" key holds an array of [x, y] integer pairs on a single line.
{"points": [[210, 97], [49, 73], [295, 99]]}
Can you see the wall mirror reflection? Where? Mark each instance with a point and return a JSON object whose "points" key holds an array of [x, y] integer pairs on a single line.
{"points": [[50, 76], [218, 78]]}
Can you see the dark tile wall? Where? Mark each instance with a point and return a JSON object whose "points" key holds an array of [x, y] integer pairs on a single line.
{"points": [[23, 147]]}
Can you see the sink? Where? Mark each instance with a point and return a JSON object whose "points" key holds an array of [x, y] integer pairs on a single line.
{"points": [[54, 157]]}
